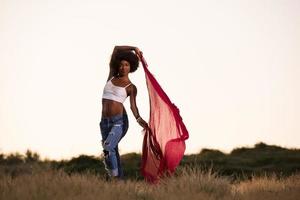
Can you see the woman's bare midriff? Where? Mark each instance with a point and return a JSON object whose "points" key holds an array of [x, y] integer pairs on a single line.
{"points": [[112, 108]]}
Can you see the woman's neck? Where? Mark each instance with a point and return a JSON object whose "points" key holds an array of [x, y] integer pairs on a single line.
{"points": [[125, 77]]}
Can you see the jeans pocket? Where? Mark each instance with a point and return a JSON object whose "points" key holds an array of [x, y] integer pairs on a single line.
{"points": [[118, 122]]}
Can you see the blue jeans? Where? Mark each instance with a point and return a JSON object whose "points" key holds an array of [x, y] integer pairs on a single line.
{"points": [[113, 129]]}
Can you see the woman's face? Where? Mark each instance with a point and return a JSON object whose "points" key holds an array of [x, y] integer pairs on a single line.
{"points": [[124, 68]]}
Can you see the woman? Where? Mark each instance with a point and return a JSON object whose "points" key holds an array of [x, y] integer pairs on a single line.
{"points": [[114, 120]]}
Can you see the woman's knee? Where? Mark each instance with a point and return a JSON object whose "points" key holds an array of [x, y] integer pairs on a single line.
{"points": [[108, 146]]}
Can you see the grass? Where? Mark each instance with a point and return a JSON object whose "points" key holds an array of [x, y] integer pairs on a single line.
{"points": [[189, 183], [265, 172]]}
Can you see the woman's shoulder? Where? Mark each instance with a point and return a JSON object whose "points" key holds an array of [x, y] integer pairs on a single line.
{"points": [[132, 88]]}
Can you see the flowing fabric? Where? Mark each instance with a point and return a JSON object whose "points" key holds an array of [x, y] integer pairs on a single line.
{"points": [[164, 141]]}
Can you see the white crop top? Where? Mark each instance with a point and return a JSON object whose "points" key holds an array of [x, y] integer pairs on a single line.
{"points": [[114, 92]]}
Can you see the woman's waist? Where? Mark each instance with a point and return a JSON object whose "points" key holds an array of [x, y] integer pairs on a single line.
{"points": [[112, 108], [114, 118]]}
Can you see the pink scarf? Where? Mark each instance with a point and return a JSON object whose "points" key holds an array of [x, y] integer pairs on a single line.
{"points": [[164, 141]]}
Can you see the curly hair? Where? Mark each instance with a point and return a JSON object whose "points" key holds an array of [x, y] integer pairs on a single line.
{"points": [[129, 56]]}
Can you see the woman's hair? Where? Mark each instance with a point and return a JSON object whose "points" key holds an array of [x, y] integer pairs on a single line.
{"points": [[129, 56]]}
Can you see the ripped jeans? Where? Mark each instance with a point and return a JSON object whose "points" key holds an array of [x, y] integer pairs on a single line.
{"points": [[113, 129]]}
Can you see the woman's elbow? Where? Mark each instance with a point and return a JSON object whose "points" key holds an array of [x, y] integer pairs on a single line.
{"points": [[133, 108]]}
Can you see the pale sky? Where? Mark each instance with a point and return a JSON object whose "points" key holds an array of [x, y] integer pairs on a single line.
{"points": [[231, 67]]}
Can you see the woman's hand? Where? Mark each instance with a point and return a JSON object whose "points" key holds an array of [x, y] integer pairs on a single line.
{"points": [[142, 123], [138, 52]]}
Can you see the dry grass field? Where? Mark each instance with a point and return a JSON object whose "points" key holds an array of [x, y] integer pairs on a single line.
{"points": [[190, 183]]}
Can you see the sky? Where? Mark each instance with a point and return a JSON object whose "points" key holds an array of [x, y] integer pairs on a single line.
{"points": [[231, 67]]}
